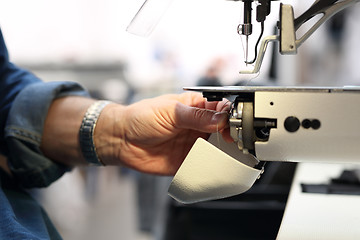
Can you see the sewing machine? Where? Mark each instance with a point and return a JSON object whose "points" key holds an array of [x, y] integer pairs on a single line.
{"points": [[292, 124], [299, 124]]}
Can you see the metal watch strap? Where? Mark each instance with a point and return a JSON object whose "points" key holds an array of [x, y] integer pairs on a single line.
{"points": [[86, 133]]}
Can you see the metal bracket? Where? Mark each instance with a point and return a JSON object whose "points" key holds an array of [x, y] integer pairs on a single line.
{"points": [[287, 38]]}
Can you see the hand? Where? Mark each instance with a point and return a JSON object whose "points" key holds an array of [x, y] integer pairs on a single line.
{"points": [[155, 135]]}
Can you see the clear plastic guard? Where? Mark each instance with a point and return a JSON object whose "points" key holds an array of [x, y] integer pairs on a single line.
{"points": [[148, 16]]}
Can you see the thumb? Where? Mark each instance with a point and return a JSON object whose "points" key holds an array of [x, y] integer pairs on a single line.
{"points": [[200, 119]]}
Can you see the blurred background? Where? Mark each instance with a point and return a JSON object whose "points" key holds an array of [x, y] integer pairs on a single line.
{"points": [[195, 43]]}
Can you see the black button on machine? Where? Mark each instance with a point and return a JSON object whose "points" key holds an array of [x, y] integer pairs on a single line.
{"points": [[315, 124], [292, 124], [306, 123]]}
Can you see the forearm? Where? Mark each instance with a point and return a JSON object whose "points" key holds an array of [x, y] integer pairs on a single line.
{"points": [[60, 140]]}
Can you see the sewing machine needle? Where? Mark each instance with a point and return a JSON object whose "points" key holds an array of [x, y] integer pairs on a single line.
{"points": [[247, 50]]}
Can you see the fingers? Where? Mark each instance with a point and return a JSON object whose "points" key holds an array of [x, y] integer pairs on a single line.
{"points": [[223, 106], [195, 99], [226, 135], [200, 119]]}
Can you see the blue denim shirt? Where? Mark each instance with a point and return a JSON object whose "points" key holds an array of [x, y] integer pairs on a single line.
{"points": [[24, 129], [24, 102]]}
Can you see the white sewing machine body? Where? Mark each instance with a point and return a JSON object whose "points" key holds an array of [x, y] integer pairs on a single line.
{"points": [[270, 124], [336, 139], [303, 124]]}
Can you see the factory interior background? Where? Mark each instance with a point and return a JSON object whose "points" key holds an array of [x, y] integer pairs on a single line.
{"points": [[195, 43]]}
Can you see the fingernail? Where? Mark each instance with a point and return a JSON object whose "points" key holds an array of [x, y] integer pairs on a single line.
{"points": [[218, 118]]}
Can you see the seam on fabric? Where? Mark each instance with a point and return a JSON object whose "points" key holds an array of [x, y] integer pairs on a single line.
{"points": [[23, 134]]}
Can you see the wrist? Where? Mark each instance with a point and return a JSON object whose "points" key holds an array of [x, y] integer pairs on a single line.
{"points": [[109, 134], [60, 139]]}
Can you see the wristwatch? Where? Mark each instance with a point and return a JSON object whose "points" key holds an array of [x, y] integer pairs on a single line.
{"points": [[86, 132]]}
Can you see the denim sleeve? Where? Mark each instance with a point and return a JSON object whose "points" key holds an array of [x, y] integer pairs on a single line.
{"points": [[24, 129], [12, 80]]}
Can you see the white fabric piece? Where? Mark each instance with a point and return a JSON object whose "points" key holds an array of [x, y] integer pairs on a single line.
{"points": [[232, 150], [208, 173]]}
